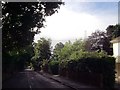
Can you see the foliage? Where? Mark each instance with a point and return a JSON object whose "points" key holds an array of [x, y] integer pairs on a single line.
{"points": [[54, 66], [19, 20], [14, 62], [76, 63], [81, 55], [104, 66], [45, 65], [75, 51], [42, 49], [65, 51], [59, 46], [57, 50], [113, 31], [98, 41], [69, 50], [78, 45]]}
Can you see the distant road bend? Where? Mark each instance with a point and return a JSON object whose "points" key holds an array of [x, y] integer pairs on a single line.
{"points": [[30, 79]]}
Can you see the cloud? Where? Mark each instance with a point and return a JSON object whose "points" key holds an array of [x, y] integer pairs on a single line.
{"points": [[91, 0], [68, 24]]}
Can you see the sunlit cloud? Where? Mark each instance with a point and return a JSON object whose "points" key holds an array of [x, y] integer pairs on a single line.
{"points": [[91, 0], [72, 23]]}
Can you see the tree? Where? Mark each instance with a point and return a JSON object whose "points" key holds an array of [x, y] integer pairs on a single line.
{"points": [[69, 51], [113, 31], [78, 45], [59, 46], [42, 49], [19, 20], [65, 51], [57, 50], [98, 41]]}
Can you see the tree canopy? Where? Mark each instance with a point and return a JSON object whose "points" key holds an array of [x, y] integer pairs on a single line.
{"points": [[42, 52], [19, 20], [57, 50], [42, 49], [68, 50], [113, 31], [98, 41]]}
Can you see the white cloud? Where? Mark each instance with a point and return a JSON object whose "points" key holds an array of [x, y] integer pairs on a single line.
{"points": [[69, 25], [91, 0]]}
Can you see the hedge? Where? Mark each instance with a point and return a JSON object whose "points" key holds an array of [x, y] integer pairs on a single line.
{"points": [[54, 67], [101, 69]]}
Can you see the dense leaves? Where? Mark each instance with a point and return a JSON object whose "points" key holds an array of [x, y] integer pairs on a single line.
{"points": [[42, 51], [98, 41], [57, 50], [68, 50], [91, 70], [75, 62], [19, 20], [54, 67], [113, 31]]}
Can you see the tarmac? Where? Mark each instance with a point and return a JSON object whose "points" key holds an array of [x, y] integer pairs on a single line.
{"points": [[69, 83]]}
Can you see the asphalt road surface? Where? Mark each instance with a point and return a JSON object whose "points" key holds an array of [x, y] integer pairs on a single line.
{"points": [[31, 80]]}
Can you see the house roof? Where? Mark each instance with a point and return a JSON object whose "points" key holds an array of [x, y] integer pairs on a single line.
{"points": [[116, 40]]}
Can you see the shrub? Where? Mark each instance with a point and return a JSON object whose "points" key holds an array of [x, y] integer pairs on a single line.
{"points": [[45, 65], [104, 66], [54, 67]]}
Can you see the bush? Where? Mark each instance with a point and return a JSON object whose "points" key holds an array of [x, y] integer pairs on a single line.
{"points": [[45, 65], [54, 67], [104, 67]]}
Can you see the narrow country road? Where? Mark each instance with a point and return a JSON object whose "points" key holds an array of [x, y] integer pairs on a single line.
{"points": [[31, 80]]}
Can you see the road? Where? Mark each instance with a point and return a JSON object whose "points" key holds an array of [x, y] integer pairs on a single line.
{"points": [[30, 79]]}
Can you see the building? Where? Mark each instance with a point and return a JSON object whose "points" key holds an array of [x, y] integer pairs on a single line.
{"points": [[116, 54]]}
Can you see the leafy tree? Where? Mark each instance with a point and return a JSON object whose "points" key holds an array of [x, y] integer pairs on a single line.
{"points": [[19, 20], [78, 45], [59, 46], [42, 49], [57, 50], [98, 41], [65, 51], [77, 49], [113, 31], [69, 51]]}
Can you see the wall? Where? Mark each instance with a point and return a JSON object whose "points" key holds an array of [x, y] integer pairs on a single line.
{"points": [[116, 51], [116, 54]]}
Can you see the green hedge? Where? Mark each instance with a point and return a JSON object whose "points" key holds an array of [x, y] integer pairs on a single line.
{"points": [[95, 68], [45, 65], [54, 67], [104, 66], [12, 64]]}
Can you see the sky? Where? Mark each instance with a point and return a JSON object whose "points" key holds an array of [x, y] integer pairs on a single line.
{"points": [[76, 20]]}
